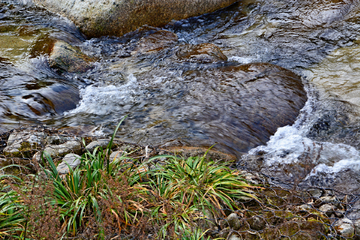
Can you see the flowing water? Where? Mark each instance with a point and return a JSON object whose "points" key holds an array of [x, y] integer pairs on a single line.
{"points": [[171, 101]]}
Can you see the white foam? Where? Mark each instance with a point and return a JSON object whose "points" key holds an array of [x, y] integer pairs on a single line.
{"points": [[242, 60], [104, 100], [290, 145]]}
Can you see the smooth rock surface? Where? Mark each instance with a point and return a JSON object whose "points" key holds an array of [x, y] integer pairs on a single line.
{"points": [[98, 143], [116, 17], [62, 149], [233, 221], [73, 160]]}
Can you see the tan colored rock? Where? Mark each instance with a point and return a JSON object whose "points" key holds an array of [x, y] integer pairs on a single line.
{"points": [[66, 58], [116, 17], [157, 41], [203, 53]]}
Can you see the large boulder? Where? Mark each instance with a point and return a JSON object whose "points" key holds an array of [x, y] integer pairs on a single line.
{"points": [[116, 17]]}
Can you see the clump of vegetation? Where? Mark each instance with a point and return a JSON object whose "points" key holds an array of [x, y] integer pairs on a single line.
{"points": [[106, 197]]}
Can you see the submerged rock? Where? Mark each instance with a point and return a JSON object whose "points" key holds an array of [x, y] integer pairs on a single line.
{"points": [[157, 41], [234, 107], [203, 53], [240, 107], [117, 17], [66, 58]]}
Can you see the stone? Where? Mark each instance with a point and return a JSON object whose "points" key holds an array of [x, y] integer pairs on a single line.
{"points": [[233, 221], [305, 207], [67, 58], [156, 41], [116, 155], [234, 236], [24, 143], [103, 143], [316, 193], [58, 139], [357, 227], [37, 157], [97, 18], [257, 223], [63, 149], [201, 53], [73, 160], [327, 209], [345, 227], [354, 212]]}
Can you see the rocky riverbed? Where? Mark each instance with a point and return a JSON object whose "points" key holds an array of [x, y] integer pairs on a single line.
{"points": [[280, 208]]}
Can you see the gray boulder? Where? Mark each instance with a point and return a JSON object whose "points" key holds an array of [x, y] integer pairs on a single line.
{"points": [[63, 149], [345, 227], [116, 17], [98, 143], [24, 143], [71, 160]]}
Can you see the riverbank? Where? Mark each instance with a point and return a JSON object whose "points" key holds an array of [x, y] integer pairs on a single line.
{"points": [[260, 208]]}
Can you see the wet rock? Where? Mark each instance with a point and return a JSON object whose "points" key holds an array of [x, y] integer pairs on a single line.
{"points": [[66, 58], [235, 108], [42, 46], [24, 143], [201, 53], [316, 193], [156, 41], [345, 227], [103, 143], [62, 149], [116, 17], [233, 221], [72, 160], [327, 209], [247, 104]]}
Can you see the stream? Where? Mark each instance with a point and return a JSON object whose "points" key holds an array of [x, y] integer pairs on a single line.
{"points": [[172, 99]]}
